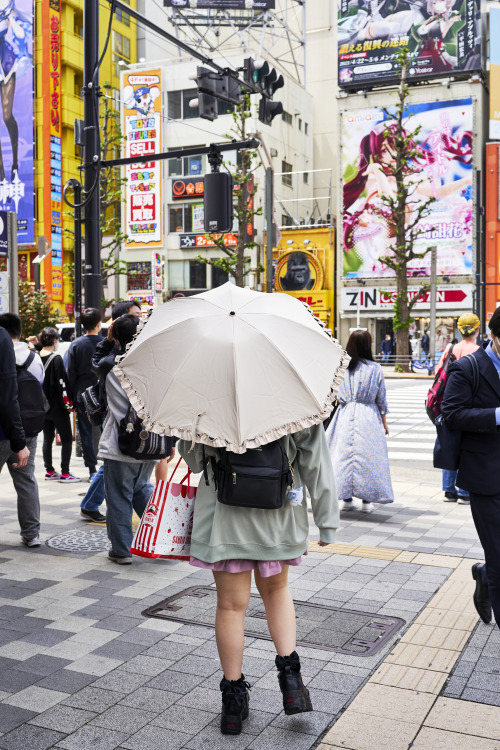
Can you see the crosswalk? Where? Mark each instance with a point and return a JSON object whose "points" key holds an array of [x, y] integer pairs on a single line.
{"points": [[412, 434]]}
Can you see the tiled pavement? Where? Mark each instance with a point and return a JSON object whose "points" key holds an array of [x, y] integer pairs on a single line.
{"points": [[80, 667]]}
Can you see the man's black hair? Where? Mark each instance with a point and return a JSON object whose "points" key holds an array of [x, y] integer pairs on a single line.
{"points": [[122, 308], [124, 329], [12, 324], [494, 323], [90, 318]]}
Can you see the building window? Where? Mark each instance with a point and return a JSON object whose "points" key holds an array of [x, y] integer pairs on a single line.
{"points": [[300, 123], [287, 117], [219, 276], [78, 84], [78, 23], [286, 220], [121, 50], [139, 276], [187, 166], [286, 177], [189, 112], [305, 177], [197, 275], [306, 128], [180, 218], [122, 15], [174, 109]]}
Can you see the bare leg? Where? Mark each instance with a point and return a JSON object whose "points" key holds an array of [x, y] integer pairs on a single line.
{"points": [[233, 595], [280, 611], [8, 91]]}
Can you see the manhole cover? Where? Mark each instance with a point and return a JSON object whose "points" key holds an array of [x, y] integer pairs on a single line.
{"points": [[91, 540], [318, 626]]}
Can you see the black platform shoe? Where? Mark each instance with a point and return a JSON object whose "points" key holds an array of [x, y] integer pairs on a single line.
{"points": [[296, 698], [235, 702]]}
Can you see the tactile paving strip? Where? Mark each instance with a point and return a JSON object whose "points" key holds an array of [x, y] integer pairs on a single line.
{"points": [[318, 626], [88, 540]]}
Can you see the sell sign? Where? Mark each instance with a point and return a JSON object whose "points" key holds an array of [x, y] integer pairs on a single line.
{"points": [[141, 113]]}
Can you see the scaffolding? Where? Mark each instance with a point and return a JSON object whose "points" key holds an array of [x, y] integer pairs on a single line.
{"points": [[277, 36], [305, 198]]}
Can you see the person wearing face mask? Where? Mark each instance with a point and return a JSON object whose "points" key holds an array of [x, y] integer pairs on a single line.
{"points": [[59, 404], [475, 411]]}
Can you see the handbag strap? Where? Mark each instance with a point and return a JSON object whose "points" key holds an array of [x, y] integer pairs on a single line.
{"points": [[187, 476]]}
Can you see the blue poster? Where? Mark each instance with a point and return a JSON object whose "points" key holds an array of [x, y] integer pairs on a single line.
{"points": [[16, 114]]}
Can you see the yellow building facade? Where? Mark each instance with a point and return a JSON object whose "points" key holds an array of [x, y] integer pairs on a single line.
{"points": [[58, 59]]}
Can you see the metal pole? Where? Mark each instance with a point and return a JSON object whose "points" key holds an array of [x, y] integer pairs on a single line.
{"points": [[269, 229], [12, 260], [432, 335], [91, 153]]}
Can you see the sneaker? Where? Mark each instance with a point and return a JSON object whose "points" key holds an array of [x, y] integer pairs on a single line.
{"points": [[52, 475], [463, 500], [348, 505], [66, 478], [450, 497], [367, 508], [34, 542], [93, 515], [119, 560]]}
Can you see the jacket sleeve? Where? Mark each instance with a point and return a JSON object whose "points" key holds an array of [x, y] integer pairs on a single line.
{"points": [[10, 414], [61, 378], [457, 406], [103, 359], [381, 398], [72, 368], [316, 471]]}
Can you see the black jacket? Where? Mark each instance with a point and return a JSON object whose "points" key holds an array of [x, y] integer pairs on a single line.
{"points": [[80, 376], [103, 359], [54, 383], [10, 414], [475, 418]]}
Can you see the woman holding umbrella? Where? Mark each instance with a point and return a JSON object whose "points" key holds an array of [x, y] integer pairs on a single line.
{"points": [[245, 375]]}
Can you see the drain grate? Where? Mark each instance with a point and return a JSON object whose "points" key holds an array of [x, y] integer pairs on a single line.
{"points": [[91, 540], [318, 626]]}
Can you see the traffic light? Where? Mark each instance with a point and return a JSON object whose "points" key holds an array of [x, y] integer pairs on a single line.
{"points": [[218, 202], [268, 110], [212, 87], [272, 83], [254, 72]]}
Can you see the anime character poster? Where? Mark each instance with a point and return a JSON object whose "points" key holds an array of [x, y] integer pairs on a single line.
{"points": [[443, 37], [16, 114], [444, 171], [259, 5], [141, 107]]}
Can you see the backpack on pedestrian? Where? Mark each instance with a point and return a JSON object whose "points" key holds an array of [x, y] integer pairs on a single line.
{"points": [[436, 391], [95, 403], [136, 442], [31, 398], [258, 478]]}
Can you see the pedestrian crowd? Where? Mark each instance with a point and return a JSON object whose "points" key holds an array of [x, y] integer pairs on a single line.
{"points": [[234, 534]]}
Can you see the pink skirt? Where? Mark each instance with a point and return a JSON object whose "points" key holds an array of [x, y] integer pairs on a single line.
{"points": [[266, 568]]}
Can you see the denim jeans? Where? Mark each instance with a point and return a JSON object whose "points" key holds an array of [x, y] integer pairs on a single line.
{"points": [[385, 358], [127, 488], [85, 430], [486, 516], [449, 479], [95, 493], [25, 484]]}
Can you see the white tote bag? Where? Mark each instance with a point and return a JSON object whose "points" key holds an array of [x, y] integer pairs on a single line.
{"points": [[166, 524]]}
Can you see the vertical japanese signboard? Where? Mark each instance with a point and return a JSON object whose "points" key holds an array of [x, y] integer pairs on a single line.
{"points": [[53, 138], [443, 160], [444, 37], [157, 273], [495, 74], [16, 126], [141, 112]]}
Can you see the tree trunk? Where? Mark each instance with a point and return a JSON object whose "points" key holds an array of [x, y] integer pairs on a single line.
{"points": [[402, 345]]}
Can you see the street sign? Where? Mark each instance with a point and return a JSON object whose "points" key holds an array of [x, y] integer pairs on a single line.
{"points": [[453, 297], [4, 248], [189, 241]]}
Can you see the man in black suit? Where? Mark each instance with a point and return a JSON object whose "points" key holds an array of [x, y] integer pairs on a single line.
{"points": [[477, 416]]}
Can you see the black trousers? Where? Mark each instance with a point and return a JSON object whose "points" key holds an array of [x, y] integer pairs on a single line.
{"points": [[486, 515], [60, 421]]}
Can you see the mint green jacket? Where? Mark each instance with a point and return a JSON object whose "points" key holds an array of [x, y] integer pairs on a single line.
{"points": [[223, 532]]}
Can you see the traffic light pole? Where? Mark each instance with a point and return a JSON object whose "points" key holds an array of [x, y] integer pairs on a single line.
{"points": [[269, 229], [92, 277]]}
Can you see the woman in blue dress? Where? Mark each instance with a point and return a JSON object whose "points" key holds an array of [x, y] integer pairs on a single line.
{"points": [[356, 435]]}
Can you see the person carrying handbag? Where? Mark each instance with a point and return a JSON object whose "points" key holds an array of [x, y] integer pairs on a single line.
{"points": [[58, 407], [475, 412]]}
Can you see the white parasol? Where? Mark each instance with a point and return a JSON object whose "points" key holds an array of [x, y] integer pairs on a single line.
{"points": [[232, 368]]}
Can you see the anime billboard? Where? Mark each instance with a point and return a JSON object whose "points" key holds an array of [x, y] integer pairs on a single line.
{"points": [[443, 37], [141, 107], [259, 5], [16, 122], [444, 159]]}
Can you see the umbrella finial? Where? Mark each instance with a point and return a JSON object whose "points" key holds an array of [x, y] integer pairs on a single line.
{"points": [[232, 312]]}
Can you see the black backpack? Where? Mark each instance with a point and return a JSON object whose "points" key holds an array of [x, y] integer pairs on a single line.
{"points": [[136, 442], [95, 403], [259, 478], [30, 397]]}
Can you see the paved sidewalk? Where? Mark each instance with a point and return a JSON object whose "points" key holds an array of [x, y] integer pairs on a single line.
{"points": [[82, 667]]}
